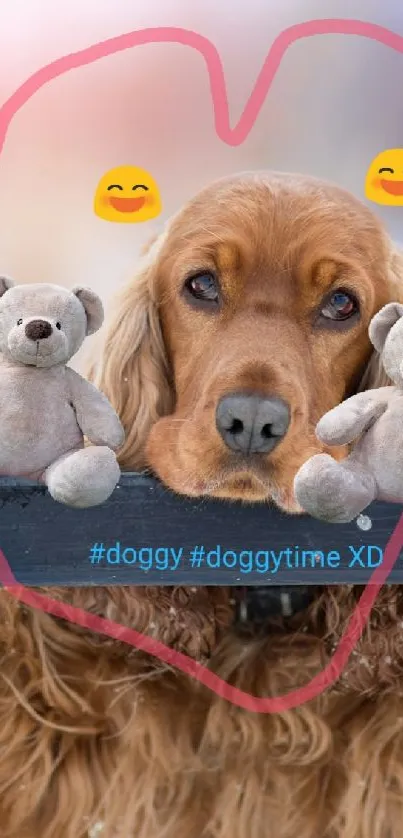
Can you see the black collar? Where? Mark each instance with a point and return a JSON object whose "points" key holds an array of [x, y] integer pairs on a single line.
{"points": [[255, 606]]}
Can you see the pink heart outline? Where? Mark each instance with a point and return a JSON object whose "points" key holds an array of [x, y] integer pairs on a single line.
{"points": [[232, 137]]}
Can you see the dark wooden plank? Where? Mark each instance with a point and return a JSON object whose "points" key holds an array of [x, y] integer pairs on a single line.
{"points": [[47, 543]]}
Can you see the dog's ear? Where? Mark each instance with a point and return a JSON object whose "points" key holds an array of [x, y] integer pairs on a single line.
{"points": [[374, 375], [133, 371]]}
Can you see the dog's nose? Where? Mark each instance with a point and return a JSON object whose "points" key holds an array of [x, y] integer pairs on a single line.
{"points": [[38, 330], [251, 424]]}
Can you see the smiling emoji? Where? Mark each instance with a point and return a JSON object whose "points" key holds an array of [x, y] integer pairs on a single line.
{"points": [[127, 195], [384, 181]]}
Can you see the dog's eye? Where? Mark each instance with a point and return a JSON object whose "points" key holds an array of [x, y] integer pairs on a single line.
{"points": [[340, 306], [203, 287], [19, 321], [58, 325]]}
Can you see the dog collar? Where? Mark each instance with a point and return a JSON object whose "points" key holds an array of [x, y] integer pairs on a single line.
{"points": [[257, 605]]}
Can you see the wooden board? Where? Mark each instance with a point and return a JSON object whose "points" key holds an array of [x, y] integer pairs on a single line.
{"points": [[47, 543]]}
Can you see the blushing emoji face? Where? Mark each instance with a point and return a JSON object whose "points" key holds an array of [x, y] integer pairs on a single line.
{"points": [[384, 180], [127, 195]]}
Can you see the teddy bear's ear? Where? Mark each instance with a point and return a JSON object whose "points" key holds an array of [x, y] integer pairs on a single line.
{"points": [[5, 284], [93, 308], [382, 323]]}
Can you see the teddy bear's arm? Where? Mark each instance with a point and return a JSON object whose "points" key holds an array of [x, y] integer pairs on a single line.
{"points": [[95, 415], [351, 418]]}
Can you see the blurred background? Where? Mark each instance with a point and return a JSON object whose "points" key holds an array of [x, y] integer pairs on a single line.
{"points": [[334, 104]]}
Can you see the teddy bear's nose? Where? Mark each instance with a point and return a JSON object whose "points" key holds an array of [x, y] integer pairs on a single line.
{"points": [[38, 330]]}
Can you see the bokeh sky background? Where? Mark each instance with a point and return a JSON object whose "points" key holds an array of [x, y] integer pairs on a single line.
{"points": [[335, 103]]}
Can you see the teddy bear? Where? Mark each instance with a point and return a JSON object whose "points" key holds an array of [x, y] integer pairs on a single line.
{"points": [[338, 491], [46, 408]]}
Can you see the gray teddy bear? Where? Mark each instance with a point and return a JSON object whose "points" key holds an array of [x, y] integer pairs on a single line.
{"points": [[339, 491], [46, 408]]}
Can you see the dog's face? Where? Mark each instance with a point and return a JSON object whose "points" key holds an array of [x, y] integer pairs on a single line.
{"points": [[249, 320]]}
